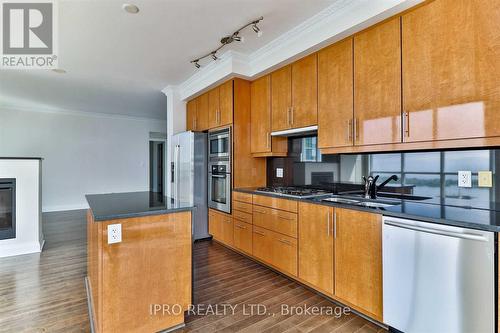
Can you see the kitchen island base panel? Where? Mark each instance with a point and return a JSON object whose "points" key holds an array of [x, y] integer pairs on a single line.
{"points": [[152, 265]]}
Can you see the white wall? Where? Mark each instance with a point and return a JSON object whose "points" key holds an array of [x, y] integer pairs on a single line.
{"points": [[82, 153]]}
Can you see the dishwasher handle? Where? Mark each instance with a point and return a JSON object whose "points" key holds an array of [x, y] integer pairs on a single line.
{"points": [[436, 231]]}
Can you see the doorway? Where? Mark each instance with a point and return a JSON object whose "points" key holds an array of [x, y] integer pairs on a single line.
{"points": [[156, 166]]}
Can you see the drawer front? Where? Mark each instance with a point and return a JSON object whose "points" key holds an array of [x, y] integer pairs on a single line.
{"points": [[275, 220], [285, 253], [243, 197], [243, 236], [241, 216], [262, 244], [227, 230], [277, 203], [242, 207]]}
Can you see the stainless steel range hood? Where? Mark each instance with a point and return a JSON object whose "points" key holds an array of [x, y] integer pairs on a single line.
{"points": [[309, 130]]}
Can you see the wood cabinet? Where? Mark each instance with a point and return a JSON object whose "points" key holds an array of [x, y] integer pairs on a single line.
{"points": [[220, 105], [377, 84], [243, 236], [220, 226], [275, 220], [335, 95], [197, 114], [294, 88], [358, 260], [451, 70], [262, 143], [316, 246], [275, 249], [191, 107]]}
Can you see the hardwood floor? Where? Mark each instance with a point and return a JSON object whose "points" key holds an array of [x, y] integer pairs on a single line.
{"points": [[45, 292]]}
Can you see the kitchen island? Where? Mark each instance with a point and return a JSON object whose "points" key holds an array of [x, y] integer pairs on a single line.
{"points": [[139, 262]]}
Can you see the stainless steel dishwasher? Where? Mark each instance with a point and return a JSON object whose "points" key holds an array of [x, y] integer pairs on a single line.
{"points": [[437, 278]]}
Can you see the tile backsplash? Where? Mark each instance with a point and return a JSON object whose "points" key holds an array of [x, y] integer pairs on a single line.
{"points": [[431, 174]]}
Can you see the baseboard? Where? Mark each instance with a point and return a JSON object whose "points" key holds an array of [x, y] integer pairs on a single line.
{"points": [[20, 249], [89, 304], [50, 209]]}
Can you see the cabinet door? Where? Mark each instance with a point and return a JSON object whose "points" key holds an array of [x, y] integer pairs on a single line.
{"points": [[316, 246], [262, 244], [451, 70], [358, 259], [304, 110], [281, 98], [377, 84], [226, 103], [191, 115], [213, 108], [202, 112], [335, 95], [215, 225], [227, 230], [284, 251], [243, 236], [260, 116]]}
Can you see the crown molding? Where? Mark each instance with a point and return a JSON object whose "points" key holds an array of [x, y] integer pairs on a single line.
{"points": [[339, 20], [46, 109]]}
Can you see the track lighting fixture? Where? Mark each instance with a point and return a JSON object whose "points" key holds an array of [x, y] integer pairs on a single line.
{"points": [[234, 37]]}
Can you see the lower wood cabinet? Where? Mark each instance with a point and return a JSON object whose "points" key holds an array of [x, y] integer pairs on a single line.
{"points": [[358, 260], [220, 226], [316, 248], [275, 220], [275, 249], [243, 236]]}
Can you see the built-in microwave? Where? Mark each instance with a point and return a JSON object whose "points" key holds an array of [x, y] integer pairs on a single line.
{"points": [[219, 144]]}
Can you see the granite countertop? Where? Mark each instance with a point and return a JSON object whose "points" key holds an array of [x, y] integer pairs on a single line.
{"points": [[20, 158], [465, 217], [133, 204]]}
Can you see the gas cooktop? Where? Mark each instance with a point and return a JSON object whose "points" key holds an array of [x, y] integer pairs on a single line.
{"points": [[293, 192]]}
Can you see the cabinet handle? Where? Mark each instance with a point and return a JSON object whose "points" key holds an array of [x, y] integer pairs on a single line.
{"points": [[407, 127], [356, 129], [286, 218], [349, 130], [284, 241], [334, 223], [259, 233], [288, 116], [240, 226], [328, 225], [194, 123], [291, 111], [258, 211], [267, 139]]}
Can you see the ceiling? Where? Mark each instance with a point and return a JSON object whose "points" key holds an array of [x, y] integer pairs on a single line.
{"points": [[117, 63]]}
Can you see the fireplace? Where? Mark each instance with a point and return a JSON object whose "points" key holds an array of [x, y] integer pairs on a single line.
{"points": [[7, 208]]}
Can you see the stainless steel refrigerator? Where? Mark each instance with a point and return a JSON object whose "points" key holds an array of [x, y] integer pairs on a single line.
{"points": [[189, 176]]}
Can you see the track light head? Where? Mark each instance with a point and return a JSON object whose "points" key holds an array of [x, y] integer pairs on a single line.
{"points": [[257, 30], [214, 56], [196, 64], [238, 39]]}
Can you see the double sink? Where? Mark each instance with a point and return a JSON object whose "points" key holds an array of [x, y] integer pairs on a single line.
{"points": [[384, 200]]}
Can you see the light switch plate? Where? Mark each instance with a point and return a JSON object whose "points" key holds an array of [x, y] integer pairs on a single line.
{"points": [[279, 172], [485, 179], [114, 233], [464, 179]]}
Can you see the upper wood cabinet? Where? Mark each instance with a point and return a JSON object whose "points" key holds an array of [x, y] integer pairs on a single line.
{"points": [[191, 107], [316, 246], [335, 95], [261, 141], [294, 100], [377, 84], [220, 105], [358, 260], [451, 70]]}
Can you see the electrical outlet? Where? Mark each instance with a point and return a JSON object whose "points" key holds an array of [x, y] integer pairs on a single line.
{"points": [[464, 179], [114, 233], [484, 179], [279, 172]]}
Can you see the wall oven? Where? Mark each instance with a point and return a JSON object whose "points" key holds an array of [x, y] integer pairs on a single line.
{"points": [[219, 144], [219, 186]]}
